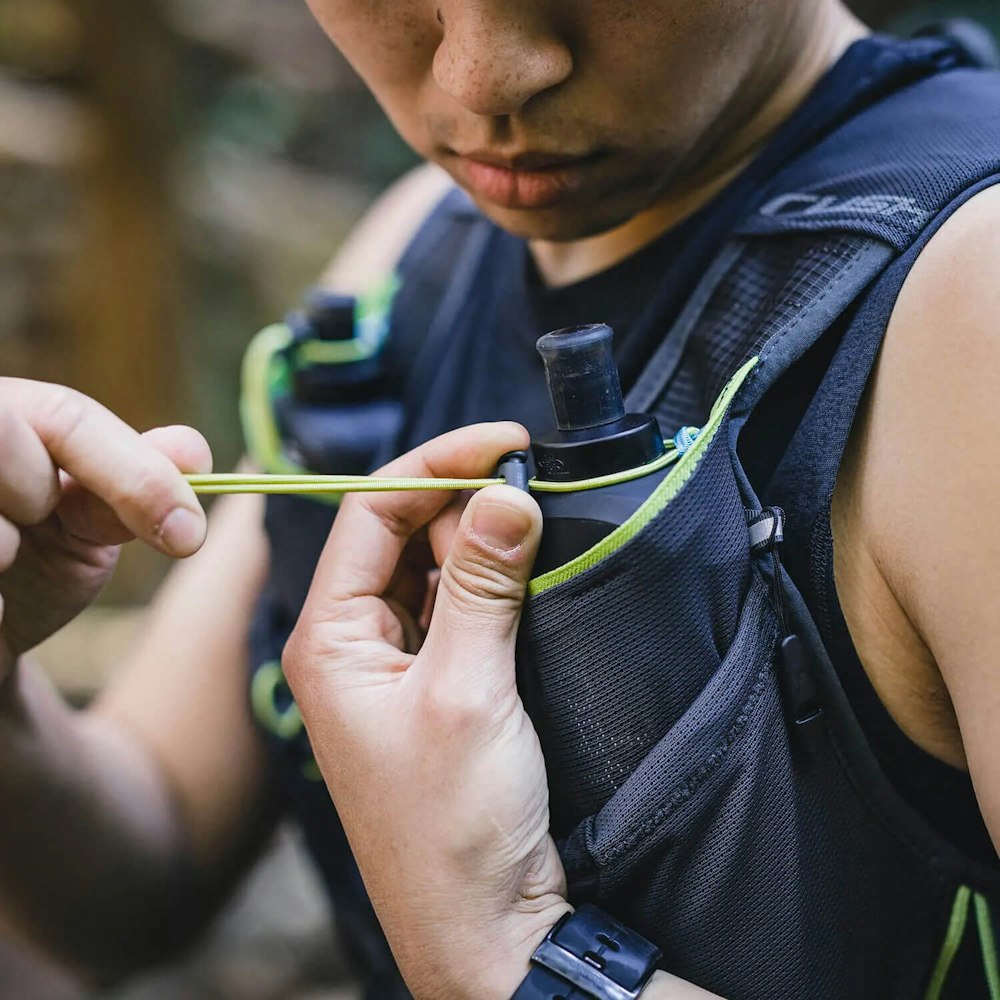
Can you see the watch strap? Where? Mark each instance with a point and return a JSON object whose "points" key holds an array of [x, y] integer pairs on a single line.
{"points": [[590, 954]]}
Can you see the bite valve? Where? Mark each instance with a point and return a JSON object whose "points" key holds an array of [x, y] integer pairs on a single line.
{"points": [[595, 436], [582, 376]]}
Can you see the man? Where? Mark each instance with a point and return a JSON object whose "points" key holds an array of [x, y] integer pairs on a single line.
{"points": [[594, 134]]}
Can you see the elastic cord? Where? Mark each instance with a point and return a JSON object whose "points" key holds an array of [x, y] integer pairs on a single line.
{"points": [[208, 485], [236, 482]]}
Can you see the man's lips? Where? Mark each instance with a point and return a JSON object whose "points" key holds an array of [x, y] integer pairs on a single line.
{"points": [[524, 161], [522, 180]]}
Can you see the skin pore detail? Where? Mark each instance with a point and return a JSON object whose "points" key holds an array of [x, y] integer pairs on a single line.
{"points": [[715, 161], [526, 103]]}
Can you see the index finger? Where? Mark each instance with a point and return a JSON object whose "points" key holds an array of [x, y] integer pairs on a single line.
{"points": [[372, 529], [110, 459]]}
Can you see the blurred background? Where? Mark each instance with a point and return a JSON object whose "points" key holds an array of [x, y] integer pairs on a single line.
{"points": [[173, 175]]}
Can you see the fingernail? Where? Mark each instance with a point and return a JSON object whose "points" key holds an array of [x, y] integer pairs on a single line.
{"points": [[182, 531], [501, 527]]}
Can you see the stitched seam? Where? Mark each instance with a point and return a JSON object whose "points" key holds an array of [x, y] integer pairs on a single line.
{"points": [[608, 574], [681, 793], [773, 342]]}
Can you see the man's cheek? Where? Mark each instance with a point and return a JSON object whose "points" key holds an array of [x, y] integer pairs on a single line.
{"points": [[410, 117]]}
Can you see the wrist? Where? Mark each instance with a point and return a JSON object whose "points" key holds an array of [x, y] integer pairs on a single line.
{"points": [[508, 967], [661, 986], [488, 962]]}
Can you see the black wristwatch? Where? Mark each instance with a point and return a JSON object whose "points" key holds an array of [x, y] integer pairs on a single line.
{"points": [[589, 954]]}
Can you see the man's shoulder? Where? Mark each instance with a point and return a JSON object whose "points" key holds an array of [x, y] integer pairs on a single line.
{"points": [[946, 322], [916, 506], [379, 240], [937, 382], [931, 445]]}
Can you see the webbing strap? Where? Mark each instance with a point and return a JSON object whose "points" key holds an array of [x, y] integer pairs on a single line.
{"points": [[425, 361], [787, 342], [661, 367], [766, 528]]}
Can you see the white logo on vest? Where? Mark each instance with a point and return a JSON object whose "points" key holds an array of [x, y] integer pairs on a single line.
{"points": [[885, 206]]}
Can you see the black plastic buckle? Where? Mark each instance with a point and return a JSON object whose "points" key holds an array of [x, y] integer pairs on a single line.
{"points": [[799, 689], [513, 468]]}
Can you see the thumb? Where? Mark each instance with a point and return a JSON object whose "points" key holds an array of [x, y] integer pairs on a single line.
{"points": [[483, 581]]}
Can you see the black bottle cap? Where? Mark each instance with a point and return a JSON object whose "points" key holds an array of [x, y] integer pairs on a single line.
{"points": [[330, 316]]}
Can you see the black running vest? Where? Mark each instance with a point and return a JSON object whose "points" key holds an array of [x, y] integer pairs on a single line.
{"points": [[709, 783]]}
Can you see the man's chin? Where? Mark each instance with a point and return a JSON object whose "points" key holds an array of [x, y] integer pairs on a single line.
{"points": [[556, 224]]}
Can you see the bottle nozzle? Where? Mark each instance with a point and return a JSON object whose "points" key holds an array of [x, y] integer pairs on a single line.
{"points": [[582, 377]]}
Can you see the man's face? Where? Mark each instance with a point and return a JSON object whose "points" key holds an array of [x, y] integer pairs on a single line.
{"points": [[565, 118]]}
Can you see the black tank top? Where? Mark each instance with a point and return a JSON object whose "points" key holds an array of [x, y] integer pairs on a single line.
{"points": [[943, 795]]}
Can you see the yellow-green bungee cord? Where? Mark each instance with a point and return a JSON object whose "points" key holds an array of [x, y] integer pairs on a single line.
{"points": [[237, 482]]}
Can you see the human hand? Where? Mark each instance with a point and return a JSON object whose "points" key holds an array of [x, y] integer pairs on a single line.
{"points": [[434, 767], [75, 483]]}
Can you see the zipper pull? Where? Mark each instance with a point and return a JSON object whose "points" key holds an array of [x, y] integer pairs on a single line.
{"points": [[796, 675], [767, 532], [800, 691]]}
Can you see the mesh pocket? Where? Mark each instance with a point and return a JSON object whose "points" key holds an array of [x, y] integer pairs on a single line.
{"points": [[753, 865], [611, 658], [719, 730]]}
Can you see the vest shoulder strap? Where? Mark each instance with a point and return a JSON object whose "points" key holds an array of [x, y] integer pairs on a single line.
{"points": [[821, 236], [807, 284]]}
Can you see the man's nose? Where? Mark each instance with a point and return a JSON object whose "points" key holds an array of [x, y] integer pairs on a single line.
{"points": [[496, 55]]}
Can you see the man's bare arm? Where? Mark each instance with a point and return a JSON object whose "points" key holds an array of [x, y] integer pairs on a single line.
{"points": [[917, 517], [124, 825]]}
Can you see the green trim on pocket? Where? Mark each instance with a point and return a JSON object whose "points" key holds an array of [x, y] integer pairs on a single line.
{"points": [[952, 942], [664, 493]]}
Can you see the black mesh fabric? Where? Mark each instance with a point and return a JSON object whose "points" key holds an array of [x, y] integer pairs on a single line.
{"points": [[762, 864], [764, 291], [736, 850]]}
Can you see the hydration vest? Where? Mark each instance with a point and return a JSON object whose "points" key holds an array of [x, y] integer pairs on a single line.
{"points": [[709, 783]]}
